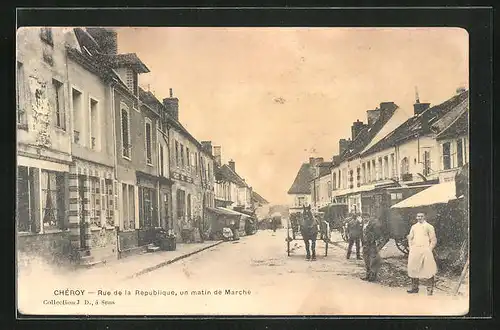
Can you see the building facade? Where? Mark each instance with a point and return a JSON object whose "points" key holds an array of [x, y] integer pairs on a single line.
{"points": [[44, 141]]}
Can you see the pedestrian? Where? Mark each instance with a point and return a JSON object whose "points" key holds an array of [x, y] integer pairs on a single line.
{"points": [[354, 232], [234, 227], [371, 254], [421, 263]]}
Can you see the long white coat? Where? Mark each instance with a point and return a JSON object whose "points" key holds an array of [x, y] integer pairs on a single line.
{"points": [[421, 241]]}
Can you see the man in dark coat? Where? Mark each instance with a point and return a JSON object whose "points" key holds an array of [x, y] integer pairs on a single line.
{"points": [[354, 233], [370, 250]]}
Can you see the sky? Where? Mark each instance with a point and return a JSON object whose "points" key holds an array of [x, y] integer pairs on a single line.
{"points": [[273, 97]]}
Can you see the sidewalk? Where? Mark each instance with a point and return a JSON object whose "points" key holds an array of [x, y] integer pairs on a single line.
{"points": [[132, 266]]}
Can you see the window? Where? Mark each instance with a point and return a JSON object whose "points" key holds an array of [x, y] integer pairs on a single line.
{"points": [[182, 156], [380, 169], [162, 172], [177, 159], [130, 79], [53, 199], [188, 155], [460, 153], [329, 189], [181, 204], [358, 177], [396, 196], [95, 204], [446, 156], [125, 133], [374, 170], [94, 125], [386, 168], [363, 173], [188, 206], [46, 35], [60, 117], [28, 216], [393, 166], [427, 163], [368, 172], [149, 156], [21, 96], [76, 102], [405, 166], [301, 201], [196, 162], [128, 201], [334, 180]]}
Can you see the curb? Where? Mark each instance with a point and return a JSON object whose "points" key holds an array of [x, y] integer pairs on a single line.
{"points": [[170, 261]]}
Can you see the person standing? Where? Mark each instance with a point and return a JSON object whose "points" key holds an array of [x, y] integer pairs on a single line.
{"points": [[421, 263], [371, 254], [354, 232]]}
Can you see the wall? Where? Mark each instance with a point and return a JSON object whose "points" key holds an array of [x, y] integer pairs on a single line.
{"points": [[53, 249], [91, 86], [40, 130]]}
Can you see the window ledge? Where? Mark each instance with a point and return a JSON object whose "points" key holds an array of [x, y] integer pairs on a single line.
{"points": [[150, 164], [127, 158], [60, 129]]}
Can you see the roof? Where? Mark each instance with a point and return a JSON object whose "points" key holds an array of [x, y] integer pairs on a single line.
{"points": [[129, 59], [440, 193], [258, 198], [324, 168], [336, 159], [301, 184], [368, 133], [225, 173], [223, 211], [457, 123], [418, 125]]}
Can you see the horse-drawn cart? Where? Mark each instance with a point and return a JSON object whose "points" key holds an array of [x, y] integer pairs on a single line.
{"points": [[306, 226]]}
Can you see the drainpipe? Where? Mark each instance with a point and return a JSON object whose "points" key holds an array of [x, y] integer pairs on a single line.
{"points": [[115, 163]]}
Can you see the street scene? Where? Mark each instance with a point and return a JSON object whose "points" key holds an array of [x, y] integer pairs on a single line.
{"points": [[312, 172]]}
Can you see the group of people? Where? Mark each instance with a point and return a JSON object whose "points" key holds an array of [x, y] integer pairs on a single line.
{"points": [[421, 242]]}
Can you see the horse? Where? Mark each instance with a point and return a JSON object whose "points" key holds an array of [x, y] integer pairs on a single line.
{"points": [[309, 232]]}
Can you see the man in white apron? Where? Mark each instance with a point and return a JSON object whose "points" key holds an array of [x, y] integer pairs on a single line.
{"points": [[421, 264]]}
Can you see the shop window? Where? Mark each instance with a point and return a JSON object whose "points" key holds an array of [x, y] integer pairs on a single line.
{"points": [[28, 219], [147, 208], [53, 199], [95, 201]]}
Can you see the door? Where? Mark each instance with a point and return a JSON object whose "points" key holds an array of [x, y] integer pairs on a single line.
{"points": [[81, 206]]}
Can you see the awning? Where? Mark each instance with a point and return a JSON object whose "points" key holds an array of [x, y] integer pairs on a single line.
{"points": [[222, 211], [233, 212], [440, 193]]}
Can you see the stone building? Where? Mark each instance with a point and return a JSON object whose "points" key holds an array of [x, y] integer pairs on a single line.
{"points": [[44, 139], [301, 190]]}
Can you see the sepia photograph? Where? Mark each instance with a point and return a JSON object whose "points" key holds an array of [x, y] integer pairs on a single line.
{"points": [[280, 171]]}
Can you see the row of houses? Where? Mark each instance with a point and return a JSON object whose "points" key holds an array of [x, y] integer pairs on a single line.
{"points": [[403, 154], [100, 160]]}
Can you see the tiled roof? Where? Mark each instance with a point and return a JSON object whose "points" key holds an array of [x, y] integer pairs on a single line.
{"points": [[258, 198], [368, 133], [225, 173], [129, 59], [457, 128], [418, 125], [302, 182], [324, 168]]}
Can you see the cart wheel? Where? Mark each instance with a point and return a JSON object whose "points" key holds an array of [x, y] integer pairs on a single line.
{"points": [[343, 234], [402, 245]]}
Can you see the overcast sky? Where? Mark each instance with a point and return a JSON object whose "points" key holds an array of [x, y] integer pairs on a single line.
{"points": [[273, 97]]}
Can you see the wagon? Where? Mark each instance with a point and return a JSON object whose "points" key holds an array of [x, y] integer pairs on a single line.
{"points": [[336, 216], [293, 230]]}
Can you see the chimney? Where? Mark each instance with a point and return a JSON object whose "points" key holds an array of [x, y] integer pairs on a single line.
{"points": [[356, 128], [207, 146], [311, 160], [218, 155], [232, 165], [106, 38], [460, 90], [418, 107], [372, 116], [343, 145], [172, 105]]}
